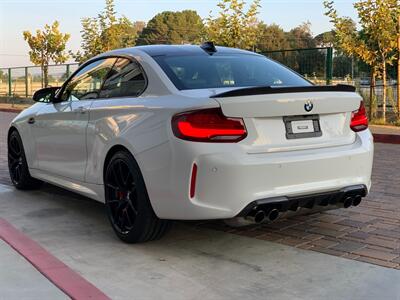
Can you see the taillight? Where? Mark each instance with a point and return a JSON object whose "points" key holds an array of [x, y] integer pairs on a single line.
{"points": [[359, 120], [208, 125]]}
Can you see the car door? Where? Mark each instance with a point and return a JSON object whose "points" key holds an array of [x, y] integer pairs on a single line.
{"points": [[117, 108], [60, 128]]}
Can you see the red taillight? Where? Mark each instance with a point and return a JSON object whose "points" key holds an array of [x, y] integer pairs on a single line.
{"points": [[193, 181], [208, 125], [359, 120]]}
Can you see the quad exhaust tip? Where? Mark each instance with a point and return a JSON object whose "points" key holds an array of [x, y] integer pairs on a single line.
{"points": [[273, 214], [267, 212], [348, 202], [256, 216], [261, 216], [357, 200]]}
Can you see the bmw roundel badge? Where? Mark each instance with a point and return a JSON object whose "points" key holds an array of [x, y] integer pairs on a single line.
{"points": [[308, 106]]}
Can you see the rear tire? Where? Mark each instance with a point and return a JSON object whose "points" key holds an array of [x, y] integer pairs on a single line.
{"points": [[127, 202], [17, 165]]}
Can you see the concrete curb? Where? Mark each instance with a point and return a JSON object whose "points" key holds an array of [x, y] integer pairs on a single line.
{"points": [[378, 137], [67, 280]]}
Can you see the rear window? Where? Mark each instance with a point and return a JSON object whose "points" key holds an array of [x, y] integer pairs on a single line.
{"points": [[219, 71]]}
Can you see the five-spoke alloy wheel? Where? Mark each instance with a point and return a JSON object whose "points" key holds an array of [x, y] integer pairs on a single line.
{"points": [[17, 165], [127, 203]]}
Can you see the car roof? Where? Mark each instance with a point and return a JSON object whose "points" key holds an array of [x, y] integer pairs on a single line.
{"points": [[175, 50]]}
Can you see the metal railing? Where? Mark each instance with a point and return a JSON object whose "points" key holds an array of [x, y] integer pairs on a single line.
{"points": [[316, 64], [22, 82]]}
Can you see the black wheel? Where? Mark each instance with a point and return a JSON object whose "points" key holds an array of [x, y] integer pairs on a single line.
{"points": [[17, 165], [127, 203]]}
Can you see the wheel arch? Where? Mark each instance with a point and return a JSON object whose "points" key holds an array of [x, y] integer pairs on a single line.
{"points": [[114, 149], [11, 130]]}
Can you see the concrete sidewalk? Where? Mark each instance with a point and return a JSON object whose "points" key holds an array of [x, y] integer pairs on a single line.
{"points": [[190, 262], [20, 280]]}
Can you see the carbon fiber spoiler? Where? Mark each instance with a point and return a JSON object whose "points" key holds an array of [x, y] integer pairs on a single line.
{"points": [[265, 90]]}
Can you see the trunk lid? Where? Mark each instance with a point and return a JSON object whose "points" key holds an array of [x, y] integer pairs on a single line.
{"points": [[275, 117]]}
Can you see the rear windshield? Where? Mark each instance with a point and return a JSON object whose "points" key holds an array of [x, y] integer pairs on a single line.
{"points": [[219, 71]]}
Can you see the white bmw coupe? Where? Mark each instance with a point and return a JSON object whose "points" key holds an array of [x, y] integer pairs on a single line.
{"points": [[166, 132]]}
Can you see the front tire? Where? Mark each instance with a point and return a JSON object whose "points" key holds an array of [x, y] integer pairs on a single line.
{"points": [[127, 203], [17, 165]]}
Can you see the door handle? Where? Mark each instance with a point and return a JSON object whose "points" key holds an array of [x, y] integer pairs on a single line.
{"points": [[81, 109], [31, 120]]}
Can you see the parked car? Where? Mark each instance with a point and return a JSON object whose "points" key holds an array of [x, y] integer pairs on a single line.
{"points": [[166, 132]]}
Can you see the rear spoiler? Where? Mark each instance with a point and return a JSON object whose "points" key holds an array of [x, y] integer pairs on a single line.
{"points": [[265, 90]]}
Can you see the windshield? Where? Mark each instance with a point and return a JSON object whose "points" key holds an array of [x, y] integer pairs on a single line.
{"points": [[221, 71]]}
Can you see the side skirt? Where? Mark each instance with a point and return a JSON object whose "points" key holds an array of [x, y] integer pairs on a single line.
{"points": [[90, 190]]}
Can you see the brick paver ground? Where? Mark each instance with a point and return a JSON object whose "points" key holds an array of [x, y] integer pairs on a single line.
{"points": [[368, 233]]}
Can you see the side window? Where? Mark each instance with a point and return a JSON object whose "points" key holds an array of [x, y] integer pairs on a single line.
{"points": [[86, 84], [125, 79]]}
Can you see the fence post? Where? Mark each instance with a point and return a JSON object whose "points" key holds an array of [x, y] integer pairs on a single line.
{"points": [[26, 82], [67, 71], [329, 65], [9, 82]]}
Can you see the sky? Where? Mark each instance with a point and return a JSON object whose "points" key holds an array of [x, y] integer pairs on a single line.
{"points": [[19, 15]]}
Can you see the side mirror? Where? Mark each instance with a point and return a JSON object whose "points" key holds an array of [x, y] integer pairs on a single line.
{"points": [[45, 95]]}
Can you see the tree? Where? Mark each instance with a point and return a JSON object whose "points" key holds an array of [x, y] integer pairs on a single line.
{"points": [[234, 27], [326, 39], [139, 26], [47, 46], [378, 19], [301, 37], [173, 28], [376, 41], [271, 37], [308, 60], [105, 32]]}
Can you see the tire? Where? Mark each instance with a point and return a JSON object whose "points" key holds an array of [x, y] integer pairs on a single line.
{"points": [[127, 203], [17, 165]]}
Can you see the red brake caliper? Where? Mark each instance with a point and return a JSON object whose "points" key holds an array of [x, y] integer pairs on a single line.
{"points": [[121, 195]]}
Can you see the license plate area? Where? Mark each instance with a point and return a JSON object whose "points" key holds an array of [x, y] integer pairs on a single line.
{"points": [[300, 127]]}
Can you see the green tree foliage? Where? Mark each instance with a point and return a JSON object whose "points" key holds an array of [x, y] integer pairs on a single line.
{"points": [[173, 28], [301, 37], [105, 32], [326, 39], [271, 37], [307, 62], [139, 26], [234, 26], [47, 46], [375, 42]]}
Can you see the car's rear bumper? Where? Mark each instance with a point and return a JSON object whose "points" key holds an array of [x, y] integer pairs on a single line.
{"points": [[345, 197], [228, 181]]}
